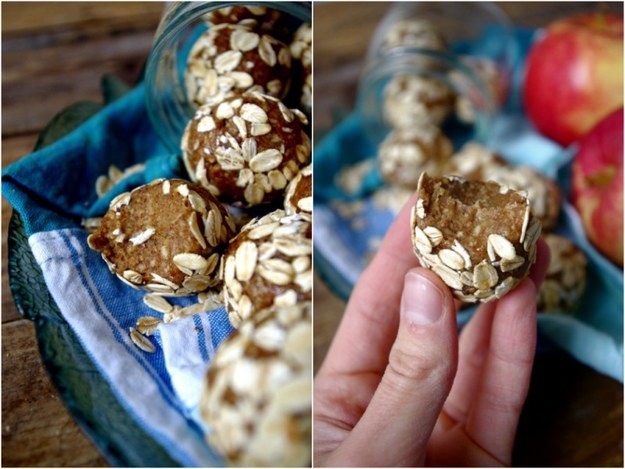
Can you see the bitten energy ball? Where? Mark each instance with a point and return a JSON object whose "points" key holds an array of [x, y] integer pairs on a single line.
{"points": [[299, 193], [268, 263], [301, 51], [565, 282], [166, 237], [257, 398], [413, 32], [478, 237], [405, 154], [413, 100], [476, 162], [229, 59], [245, 150]]}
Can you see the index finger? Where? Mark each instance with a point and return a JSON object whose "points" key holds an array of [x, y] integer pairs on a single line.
{"points": [[369, 325]]}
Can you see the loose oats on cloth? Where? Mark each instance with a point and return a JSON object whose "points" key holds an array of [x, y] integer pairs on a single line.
{"points": [[53, 189]]}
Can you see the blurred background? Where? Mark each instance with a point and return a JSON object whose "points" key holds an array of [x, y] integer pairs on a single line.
{"points": [[573, 415]]}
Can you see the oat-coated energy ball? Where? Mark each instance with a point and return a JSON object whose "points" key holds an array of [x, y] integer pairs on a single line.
{"points": [[227, 60], [268, 263], [565, 282], [476, 162], [166, 237], [245, 150], [301, 52], [413, 100], [298, 196], [257, 398], [405, 154], [478, 237]]}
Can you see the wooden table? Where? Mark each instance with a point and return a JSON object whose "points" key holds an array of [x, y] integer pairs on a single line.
{"points": [[53, 54], [573, 416]]}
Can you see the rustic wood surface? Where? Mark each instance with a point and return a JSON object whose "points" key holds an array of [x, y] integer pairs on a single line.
{"points": [[573, 416], [53, 54]]}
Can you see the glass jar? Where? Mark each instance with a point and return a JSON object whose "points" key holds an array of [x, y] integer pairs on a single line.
{"points": [[468, 47], [168, 105]]}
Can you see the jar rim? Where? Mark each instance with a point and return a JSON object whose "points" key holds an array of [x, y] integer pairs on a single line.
{"points": [[458, 65]]}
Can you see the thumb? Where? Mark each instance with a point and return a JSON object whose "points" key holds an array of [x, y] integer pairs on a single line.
{"points": [[397, 424]]}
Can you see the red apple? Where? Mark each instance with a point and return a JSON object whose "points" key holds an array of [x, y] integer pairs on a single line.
{"points": [[598, 185], [574, 75]]}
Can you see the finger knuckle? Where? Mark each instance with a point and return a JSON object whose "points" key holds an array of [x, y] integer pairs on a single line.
{"points": [[407, 365]]}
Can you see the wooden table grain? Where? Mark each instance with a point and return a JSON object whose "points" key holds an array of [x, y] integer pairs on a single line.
{"points": [[573, 415], [53, 54]]}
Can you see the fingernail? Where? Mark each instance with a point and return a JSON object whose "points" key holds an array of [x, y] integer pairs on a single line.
{"points": [[421, 301]]}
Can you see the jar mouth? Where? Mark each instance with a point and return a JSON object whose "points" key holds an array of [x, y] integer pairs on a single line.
{"points": [[466, 47], [168, 105]]}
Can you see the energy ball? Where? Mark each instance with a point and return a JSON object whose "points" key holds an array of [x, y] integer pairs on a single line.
{"points": [[413, 32], [227, 60], [476, 162], [413, 100], [405, 154], [245, 150], [166, 237], [257, 395], [299, 193], [565, 282], [268, 263], [478, 237], [301, 52]]}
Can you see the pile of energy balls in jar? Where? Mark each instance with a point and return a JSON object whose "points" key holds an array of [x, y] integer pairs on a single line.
{"points": [[479, 237], [237, 233]]}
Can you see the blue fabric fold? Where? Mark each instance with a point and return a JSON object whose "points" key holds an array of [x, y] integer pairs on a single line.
{"points": [[55, 187]]}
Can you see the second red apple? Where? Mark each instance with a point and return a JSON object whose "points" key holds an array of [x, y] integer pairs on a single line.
{"points": [[598, 185]]}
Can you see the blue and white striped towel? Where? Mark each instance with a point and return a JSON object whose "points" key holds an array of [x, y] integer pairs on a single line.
{"points": [[53, 189]]}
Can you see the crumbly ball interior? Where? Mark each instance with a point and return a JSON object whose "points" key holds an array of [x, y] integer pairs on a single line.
{"points": [[470, 212]]}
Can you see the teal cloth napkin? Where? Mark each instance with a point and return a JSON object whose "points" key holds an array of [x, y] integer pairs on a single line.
{"points": [[54, 188]]}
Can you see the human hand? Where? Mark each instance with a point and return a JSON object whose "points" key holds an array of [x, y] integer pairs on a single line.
{"points": [[398, 388]]}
